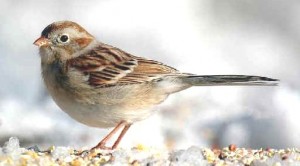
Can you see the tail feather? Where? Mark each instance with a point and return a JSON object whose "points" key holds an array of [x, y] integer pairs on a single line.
{"points": [[219, 80]]}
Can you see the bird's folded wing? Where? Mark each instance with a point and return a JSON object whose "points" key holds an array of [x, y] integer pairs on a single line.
{"points": [[107, 66]]}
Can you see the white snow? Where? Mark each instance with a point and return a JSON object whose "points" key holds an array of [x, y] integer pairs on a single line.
{"points": [[191, 156], [12, 148], [61, 153]]}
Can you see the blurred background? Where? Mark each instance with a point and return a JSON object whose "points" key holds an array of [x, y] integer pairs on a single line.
{"points": [[198, 36]]}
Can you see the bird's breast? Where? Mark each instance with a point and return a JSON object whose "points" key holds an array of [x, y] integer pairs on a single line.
{"points": [[99, 107]]}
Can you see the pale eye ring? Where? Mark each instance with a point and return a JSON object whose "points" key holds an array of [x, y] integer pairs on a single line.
{"points": [[64, 38]]}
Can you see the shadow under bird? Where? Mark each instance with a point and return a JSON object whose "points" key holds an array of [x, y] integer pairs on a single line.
{"points": [[103, 86]]}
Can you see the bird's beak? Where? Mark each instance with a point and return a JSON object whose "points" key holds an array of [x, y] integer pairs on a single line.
{"points": [[42, 41]]}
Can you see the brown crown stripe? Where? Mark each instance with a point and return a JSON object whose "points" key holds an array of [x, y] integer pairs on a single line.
{"points": [[61, 25]]}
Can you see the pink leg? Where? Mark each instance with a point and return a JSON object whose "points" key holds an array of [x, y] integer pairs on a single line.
{"points": [[101, 144], [127, 126]]}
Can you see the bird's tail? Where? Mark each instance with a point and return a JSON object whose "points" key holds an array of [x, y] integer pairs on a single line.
{"points": [[219, 80]]}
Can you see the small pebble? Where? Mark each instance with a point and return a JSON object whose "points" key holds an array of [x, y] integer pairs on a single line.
{"points": [[232, 147]]}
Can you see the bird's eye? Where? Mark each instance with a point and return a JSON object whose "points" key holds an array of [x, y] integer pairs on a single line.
{"points": [[64, 38]]}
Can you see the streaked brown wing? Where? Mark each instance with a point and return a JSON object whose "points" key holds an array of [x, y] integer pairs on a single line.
{"points": [[107, 66]]}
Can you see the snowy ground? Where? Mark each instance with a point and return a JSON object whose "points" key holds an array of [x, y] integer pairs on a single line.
{"points": [[12, 154]]}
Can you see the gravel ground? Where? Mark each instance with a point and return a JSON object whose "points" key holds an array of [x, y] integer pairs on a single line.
{"points": [[12, 154]]}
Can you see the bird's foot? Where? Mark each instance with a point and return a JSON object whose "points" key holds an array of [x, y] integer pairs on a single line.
{"points": [[93, 150], [102, 147]]}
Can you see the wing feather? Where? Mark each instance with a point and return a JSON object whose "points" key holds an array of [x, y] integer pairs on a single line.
{"points": [[107, 66]]}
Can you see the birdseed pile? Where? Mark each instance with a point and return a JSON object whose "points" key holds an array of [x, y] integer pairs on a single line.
{"points": [[12, 154]]}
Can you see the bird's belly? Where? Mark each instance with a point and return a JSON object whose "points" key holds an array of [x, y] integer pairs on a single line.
{"points": [[100, 115], [103, 107]]}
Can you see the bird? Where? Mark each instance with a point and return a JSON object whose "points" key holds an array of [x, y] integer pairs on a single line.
{"points": [[103, 86]]}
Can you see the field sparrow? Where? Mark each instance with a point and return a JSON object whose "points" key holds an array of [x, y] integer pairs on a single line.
{"points": [[102, 86]]}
